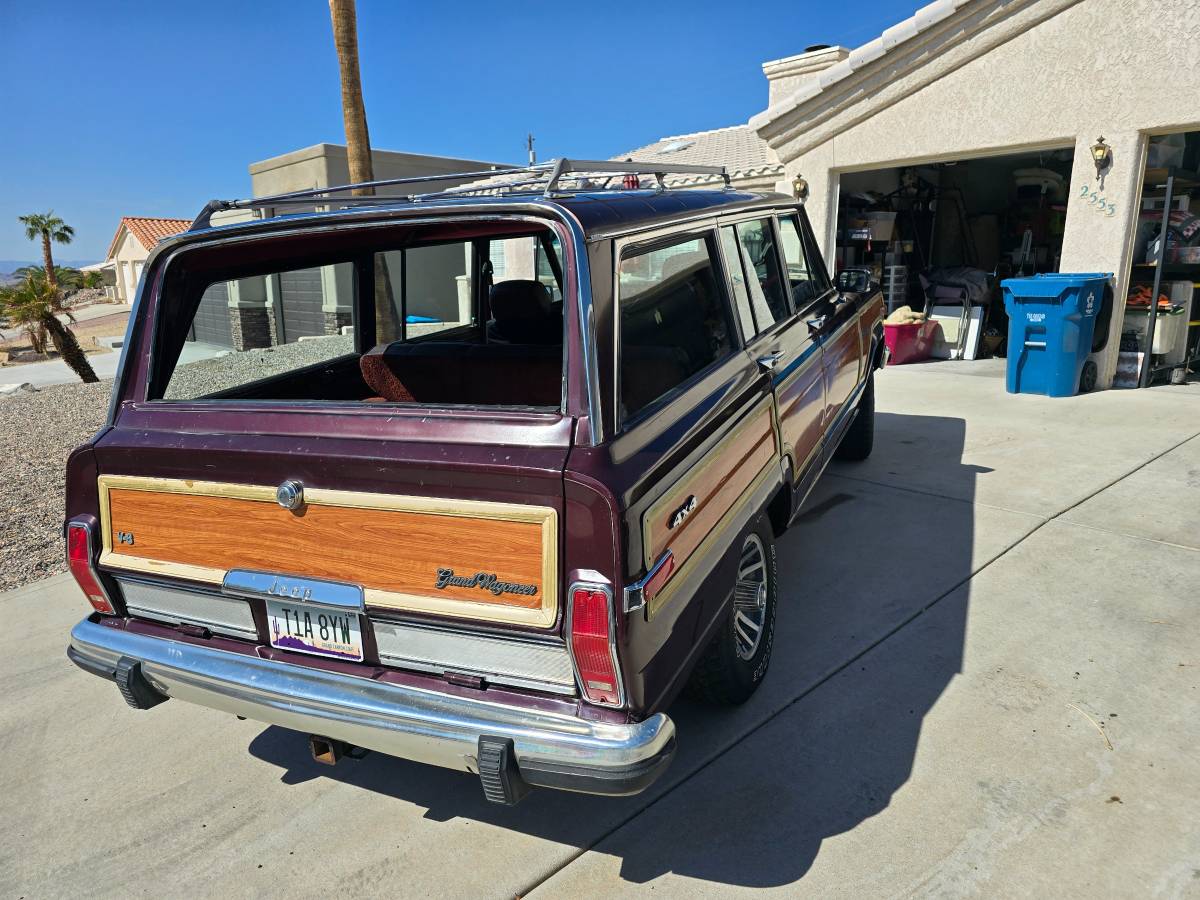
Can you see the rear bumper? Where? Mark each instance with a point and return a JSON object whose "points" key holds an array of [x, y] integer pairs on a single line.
{"points": [[551, 750]]}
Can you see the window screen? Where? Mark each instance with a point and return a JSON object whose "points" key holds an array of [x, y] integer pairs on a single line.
{"points": [[674, 320]]}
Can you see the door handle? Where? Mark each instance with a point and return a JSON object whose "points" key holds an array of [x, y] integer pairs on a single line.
{"points": [[768, 361]]}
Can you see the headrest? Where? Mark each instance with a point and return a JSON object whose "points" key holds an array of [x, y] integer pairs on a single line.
{"points": [[520, 300]]}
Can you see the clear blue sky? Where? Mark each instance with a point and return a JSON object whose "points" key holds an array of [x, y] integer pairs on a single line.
{"points": [[151, 109]]}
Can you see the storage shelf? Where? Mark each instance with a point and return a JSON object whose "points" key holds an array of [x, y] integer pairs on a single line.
{"points": [[1186, 271], [1185, 180]]}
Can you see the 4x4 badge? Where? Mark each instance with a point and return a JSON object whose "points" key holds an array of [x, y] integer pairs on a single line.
{"points": [[683, 512]]}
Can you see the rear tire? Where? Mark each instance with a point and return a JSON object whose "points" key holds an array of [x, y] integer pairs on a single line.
{"points": [[859, 439], [735, 661]]}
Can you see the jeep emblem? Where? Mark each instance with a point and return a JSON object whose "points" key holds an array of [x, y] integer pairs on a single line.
{"points": [[290, 494]]}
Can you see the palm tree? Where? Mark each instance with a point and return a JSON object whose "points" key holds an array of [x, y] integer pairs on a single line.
{"points": [[354, 111], [49, 227], [36, 305], [358, 150]]}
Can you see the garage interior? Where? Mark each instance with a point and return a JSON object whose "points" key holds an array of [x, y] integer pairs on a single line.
{"points": [[938, 238], [1168, 270]]}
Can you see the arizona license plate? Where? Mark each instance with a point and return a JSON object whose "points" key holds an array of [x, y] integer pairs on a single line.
{"points": [[319, 630]]}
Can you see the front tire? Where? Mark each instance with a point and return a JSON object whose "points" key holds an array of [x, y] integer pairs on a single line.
{"points": [[736, 659], [859, 439]]}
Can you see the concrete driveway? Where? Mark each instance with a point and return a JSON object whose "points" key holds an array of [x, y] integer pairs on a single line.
{"points": [[986, 682]]}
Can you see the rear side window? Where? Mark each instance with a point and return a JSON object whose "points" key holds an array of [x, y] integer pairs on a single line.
{"points": [[802, 281], [760, 264], [674, 320]]}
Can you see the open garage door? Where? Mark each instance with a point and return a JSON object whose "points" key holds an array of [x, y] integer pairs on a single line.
{"points": [[945, 234]]}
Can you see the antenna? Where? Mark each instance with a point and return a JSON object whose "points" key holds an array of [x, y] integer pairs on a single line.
{"points": [[529, 147]]}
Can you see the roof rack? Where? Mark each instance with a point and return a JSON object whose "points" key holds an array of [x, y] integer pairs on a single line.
{"points": [[546, 178]]}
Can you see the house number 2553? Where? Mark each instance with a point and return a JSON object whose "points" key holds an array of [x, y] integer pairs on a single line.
{"points": [[1096, 199]]}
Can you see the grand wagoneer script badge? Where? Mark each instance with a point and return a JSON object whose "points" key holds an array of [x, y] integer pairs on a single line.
{"points": [[484, 581]]}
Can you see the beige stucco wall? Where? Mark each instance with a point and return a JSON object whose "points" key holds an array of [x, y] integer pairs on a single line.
{"points": [[326, 165], [1056, 73], [130, 257]]}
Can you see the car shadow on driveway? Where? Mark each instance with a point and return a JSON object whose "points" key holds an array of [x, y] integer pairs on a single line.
{"points": [[873, 606]]}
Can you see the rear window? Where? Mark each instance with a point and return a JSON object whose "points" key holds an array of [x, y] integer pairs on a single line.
{"points": [[674, 320], [404, 318], [282, 321]]}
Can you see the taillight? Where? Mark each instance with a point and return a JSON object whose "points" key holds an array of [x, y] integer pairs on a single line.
{"points": [[593, 643], [79, 560]]}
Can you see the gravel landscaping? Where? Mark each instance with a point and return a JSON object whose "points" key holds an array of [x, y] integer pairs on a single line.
{"points": [[217, 373], [38, 430]]}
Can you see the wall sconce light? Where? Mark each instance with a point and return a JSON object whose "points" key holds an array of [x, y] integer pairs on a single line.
{"points": [[1101, 155], [800, 188]]}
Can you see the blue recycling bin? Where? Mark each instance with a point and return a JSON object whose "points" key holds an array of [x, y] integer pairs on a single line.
{"points": [[1050, 324]]}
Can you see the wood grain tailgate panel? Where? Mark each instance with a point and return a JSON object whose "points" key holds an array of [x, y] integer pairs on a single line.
{"points": [[198, 531]]}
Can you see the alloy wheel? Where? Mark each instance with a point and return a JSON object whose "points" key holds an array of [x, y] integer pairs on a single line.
{"points": [[750, 598]]}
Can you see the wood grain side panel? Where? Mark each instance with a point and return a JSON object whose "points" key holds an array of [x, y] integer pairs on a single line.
{"points": [[716, 484], [385, 550]]}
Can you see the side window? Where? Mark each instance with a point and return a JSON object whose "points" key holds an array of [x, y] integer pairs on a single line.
{"points": [[429, 288], [674, 320], [805, 281], [737, 280], [760, 259], [544, 268]]}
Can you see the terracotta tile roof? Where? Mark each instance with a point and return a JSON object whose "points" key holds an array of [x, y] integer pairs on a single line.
{"points": [[147, 231]]}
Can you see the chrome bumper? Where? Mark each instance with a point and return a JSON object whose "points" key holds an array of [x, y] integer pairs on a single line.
{"points": [[550, 749]]}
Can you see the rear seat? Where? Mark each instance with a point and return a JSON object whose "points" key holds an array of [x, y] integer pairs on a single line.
{"points": [[463, 373]]}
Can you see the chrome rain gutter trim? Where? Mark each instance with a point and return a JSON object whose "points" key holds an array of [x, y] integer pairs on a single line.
{"points": [[551, 749]]}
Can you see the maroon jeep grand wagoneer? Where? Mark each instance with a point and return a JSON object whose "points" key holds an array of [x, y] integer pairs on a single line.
{"points": [[481, 478]]}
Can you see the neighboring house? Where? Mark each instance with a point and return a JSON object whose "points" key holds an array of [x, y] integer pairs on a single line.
{"points": [[135, 238], [750, 161], [284, 308]]}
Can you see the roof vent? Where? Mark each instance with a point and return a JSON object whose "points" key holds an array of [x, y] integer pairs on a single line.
{"points": [[674, 147]]}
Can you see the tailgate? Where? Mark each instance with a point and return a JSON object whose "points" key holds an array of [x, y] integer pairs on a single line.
{"points": [[437, 527]]}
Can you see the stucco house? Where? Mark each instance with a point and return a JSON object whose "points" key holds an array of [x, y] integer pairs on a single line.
{"points": [[967, 95], [127, 252], [968, 134], [309, 303]]}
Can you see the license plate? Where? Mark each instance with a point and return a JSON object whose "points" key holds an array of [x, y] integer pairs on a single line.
{"points": [[319, 630]]}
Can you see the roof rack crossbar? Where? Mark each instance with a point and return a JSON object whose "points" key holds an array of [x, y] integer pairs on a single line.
{"points": [[545, 177]]}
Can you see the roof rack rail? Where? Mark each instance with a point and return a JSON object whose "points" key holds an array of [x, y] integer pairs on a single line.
{"points": [[545, 178]]}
